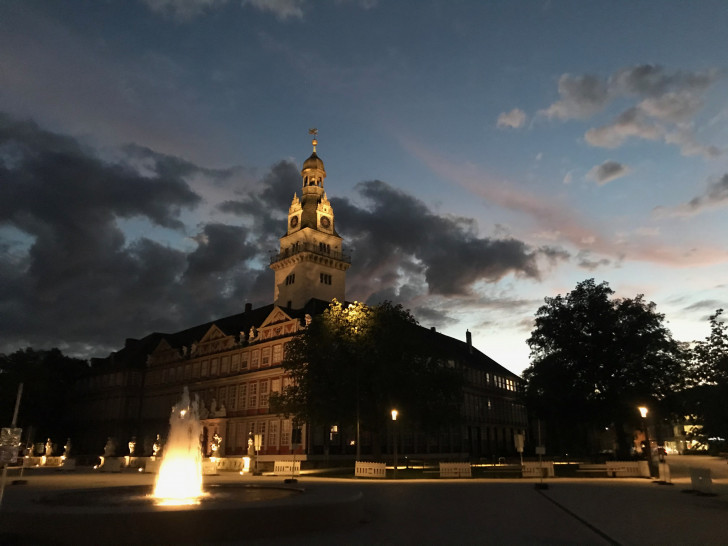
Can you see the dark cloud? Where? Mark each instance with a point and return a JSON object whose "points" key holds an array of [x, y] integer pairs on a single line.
{"points": [[669, 94], [429, 317], [554, 254], [706, 306], [265, 209], [581, 97], [169, 166], [630, 123], [667, 102], [585, 261], [73, 278], [76, 276], [396, 235], [655, 80], [607, 171], [714, 196]]}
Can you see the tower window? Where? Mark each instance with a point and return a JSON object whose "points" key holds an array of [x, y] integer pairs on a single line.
{"points": [[325, 278], [323, 247], [290, 279]]}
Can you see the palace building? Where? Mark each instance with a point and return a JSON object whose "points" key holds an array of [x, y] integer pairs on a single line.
{"points": [[234, 364]]}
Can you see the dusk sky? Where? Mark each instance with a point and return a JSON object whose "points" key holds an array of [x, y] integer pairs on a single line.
{"points": [[481, 155]]}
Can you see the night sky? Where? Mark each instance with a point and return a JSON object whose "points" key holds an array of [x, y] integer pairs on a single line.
{"points": [[480, 157]]}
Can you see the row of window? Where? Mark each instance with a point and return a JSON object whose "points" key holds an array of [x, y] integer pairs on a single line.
{"points": [[245, 395], [290, 279], [220, 366], [481, 378], [270, 429], [325, 278], [481, 408]]}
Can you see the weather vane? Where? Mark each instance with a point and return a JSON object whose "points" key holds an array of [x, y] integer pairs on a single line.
{"points": [[314, 132]]}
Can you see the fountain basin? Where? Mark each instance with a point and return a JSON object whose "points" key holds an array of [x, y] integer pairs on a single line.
{"points": [[229, 513]]}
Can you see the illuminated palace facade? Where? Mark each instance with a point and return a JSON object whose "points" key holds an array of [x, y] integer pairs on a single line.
{"points": [[234, 364]]}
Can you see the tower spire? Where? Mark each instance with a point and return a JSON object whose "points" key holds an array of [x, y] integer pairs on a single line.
{"points": [[314, 132]]}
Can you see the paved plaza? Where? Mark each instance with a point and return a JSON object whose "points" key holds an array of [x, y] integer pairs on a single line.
{"points": [[346, 511]]}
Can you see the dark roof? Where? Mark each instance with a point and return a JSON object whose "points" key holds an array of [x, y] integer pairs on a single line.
{"points": [[460, 350], [135, 351], [313, 162]]}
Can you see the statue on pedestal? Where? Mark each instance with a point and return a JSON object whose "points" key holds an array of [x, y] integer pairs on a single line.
{"points": [[109, 448], [67, 448], [157, 446], [132, 446], [215, 444]]}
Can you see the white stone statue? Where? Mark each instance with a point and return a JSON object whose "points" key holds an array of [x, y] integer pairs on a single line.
{"points": [[215, 444], [221, 412], [67, 448], [157, 446], [132, 446], [308, 319], [203, 411], [213, 408], [48, 448]]}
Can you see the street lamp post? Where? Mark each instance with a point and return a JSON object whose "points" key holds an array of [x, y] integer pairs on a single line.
{"points": [[394, 438], [643, 412]]}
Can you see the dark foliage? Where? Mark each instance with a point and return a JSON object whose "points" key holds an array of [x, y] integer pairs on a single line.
{"points": [[594, 360], [363, 361], [47, 378]]}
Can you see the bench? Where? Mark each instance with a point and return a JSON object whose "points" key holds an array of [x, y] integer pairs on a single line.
{"points": [[366, 469], [455, 470], [595, 469]]}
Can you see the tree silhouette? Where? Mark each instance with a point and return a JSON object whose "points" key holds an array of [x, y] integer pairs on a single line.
{"points": [[355, 363], [594, 359]]}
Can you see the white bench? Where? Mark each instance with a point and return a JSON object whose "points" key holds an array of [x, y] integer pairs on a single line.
{"points": [[455, 470], [534, 469], [287, 468], [628, 469], [366, 469]]}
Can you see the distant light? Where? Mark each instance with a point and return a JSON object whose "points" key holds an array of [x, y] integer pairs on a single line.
{"points": [[643, 411], [394, 414]]}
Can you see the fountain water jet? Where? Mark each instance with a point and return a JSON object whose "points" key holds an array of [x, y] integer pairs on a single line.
{"points": [[180, 475]]}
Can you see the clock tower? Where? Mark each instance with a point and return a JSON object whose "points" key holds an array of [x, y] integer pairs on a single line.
{"points": [[311, 263]]}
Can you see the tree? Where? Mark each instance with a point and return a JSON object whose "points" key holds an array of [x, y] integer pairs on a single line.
{"points": [[354, 363], [47, 378], [705, 399], [594, 359]]}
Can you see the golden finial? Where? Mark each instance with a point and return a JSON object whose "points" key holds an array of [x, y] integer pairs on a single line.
{"points": [[314, 132]]}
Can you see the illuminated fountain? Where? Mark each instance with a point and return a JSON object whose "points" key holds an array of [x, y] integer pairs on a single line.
{"points": [[180, 474], [177, 511]]}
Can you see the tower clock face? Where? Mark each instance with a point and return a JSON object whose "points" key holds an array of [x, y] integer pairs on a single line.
{"points": [[325, 222], [294, 221]]}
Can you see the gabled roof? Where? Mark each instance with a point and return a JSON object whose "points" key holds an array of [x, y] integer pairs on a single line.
{"points": [[135, 351], [277, 315]]}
